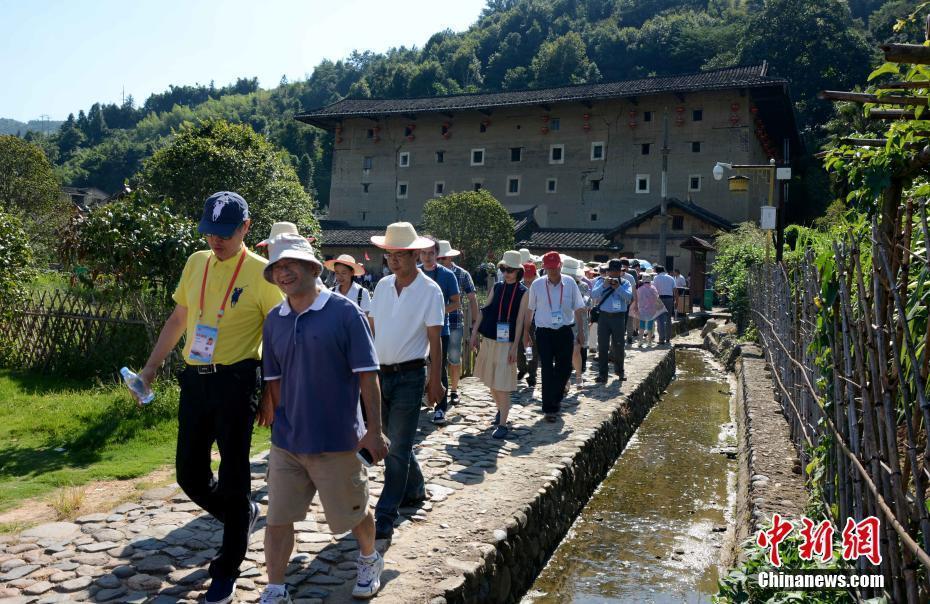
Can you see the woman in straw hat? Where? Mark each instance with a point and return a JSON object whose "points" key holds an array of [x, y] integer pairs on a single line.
{"points": [[500, 327], [346, 270]]}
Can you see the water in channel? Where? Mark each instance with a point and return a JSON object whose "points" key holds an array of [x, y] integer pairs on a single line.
{"points": [[653, 531]]}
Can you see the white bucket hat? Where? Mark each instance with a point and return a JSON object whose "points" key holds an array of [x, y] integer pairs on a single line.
{"points": [[445, 250], [572, 267], [279, 228], [357, 269], [401, 236], [511, 259], [525, 256], [289, 245]]}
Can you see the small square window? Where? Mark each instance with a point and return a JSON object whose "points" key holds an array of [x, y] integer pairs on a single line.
{"points": [[482, 127], [697, 115], [597, 151], [695, 147], [408, 130], [644, 148], [403, 159], [439, 187], [647, 116], [642, 183], [402, 190], [594, 217], [440, 157], [694, 183], [557, 154], [365, 186], [477, 186], [554, 124], [595, 184], [513, 185], [370, 133], [367, 163], [678, 223], [516, 153], [477, 157], [551, 185]]}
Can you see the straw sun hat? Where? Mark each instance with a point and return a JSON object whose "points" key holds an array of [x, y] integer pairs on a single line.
{"points": [[401, 236], [445, 250], [357, 269]]}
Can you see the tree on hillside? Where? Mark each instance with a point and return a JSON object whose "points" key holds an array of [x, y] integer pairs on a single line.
{"points": [[70, 138], [217, 156], [96, 125], [474, 221], [305, 173], [29, 190], [834, 54], [563, 61]]}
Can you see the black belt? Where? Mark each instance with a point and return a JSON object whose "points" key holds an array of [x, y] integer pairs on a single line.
{"points": [[214, 368], [405, 366], [668, 296], [556, 328]]}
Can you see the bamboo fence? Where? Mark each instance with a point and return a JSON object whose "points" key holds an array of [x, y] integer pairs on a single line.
{"points": [[859, 398]]}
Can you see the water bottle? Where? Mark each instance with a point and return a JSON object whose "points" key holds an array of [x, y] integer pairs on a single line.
{"points": [[529, 353], [135, 384]]}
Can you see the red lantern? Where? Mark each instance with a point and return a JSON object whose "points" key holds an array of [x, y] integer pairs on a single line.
{"points": [[734, 119], [734, 107], [544, 129], [754, 109], [679, 120], [338, 139], [410, 138], [545, 119], [679, 109], [586, 116], [412, 127], [632, 123], [632, 113], [446, 135], [586, 127]]}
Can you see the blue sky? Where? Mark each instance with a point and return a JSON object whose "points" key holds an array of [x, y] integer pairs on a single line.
{"points": [[62, 56]]}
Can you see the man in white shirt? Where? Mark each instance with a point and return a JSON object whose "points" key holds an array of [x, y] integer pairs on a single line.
{"points": [[406, 315], [665, 284], [555, 305]]}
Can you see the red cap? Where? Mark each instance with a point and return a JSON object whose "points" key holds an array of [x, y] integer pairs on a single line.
{"points": [[551, 260], [529, 269]]}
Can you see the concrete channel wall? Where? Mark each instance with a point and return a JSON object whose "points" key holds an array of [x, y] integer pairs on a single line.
{"points": [[521, 550], [769, 479]]}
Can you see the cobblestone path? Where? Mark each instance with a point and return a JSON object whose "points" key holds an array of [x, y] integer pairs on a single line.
{"points": [[156, 550]]}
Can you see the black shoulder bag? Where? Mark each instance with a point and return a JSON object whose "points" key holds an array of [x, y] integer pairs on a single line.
{"points": [[596, 311]]}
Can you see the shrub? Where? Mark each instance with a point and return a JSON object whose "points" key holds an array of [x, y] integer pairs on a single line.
{"points": [[474, 222], [737, 252]]}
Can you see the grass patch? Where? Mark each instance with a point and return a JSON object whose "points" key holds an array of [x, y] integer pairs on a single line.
{"points": [[57, 434]]}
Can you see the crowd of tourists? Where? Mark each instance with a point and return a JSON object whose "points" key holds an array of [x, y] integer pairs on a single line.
{"points": [[340, 374]]}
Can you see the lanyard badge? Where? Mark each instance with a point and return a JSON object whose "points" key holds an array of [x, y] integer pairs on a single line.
{"points": [[206, 336]]}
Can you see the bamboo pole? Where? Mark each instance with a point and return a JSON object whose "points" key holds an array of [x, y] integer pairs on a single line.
{"points": [[915, 54], [863, 97]]}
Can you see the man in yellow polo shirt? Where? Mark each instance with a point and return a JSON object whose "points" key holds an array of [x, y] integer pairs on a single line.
{"points": [[222, 300]]}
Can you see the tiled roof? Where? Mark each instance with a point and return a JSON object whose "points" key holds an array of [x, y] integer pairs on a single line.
{"points": [[751, 76], [350, 236], [689, 207], [568, 239]]}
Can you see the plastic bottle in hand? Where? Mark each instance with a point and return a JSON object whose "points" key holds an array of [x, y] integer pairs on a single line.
{"points": [[137, 386], [529, 353]]}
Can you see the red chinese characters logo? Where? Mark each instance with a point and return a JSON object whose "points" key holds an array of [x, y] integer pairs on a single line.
{"points": [[817, 541], [861, 539], [773, 537]]}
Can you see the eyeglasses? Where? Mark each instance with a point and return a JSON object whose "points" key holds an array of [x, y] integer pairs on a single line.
{"points": [[399, 254], [221, 238]]}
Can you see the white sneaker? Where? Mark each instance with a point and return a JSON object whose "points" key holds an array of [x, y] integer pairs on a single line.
{"points": [[368, 581], [270, 596]]}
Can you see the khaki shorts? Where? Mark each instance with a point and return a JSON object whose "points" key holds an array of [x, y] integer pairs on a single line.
{"points": [[340, 479]]}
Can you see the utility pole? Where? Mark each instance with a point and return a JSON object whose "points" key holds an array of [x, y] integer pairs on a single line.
{"points": [[663, 212]]}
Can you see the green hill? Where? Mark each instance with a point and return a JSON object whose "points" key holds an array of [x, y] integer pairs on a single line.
{"points": [[10, 126], [512, 44]]}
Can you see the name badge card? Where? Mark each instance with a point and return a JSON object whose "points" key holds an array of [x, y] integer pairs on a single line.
{"points": [[503, 332], [616, 304], [557, 318], [204, 343]]}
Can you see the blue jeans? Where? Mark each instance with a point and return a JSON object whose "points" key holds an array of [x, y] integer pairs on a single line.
{"points": [[401, 396]]}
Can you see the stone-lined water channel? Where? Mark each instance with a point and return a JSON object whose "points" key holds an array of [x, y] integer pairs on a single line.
{"points": [[654, 530]]}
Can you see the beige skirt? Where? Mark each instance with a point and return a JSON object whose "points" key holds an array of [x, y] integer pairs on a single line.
{"points": [[492, 368]]}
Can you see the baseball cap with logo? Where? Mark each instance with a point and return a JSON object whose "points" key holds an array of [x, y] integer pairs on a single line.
{"points": [[223, 212], [551, 260]]}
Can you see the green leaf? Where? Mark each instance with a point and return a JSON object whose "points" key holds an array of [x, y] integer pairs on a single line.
{"points": [[891, 68]]}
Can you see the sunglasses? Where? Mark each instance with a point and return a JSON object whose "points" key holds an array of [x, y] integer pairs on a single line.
{"points": [[508, 269]]}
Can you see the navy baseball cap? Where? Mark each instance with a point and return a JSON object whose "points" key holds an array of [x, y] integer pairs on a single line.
{"points": [[223, 212]]}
